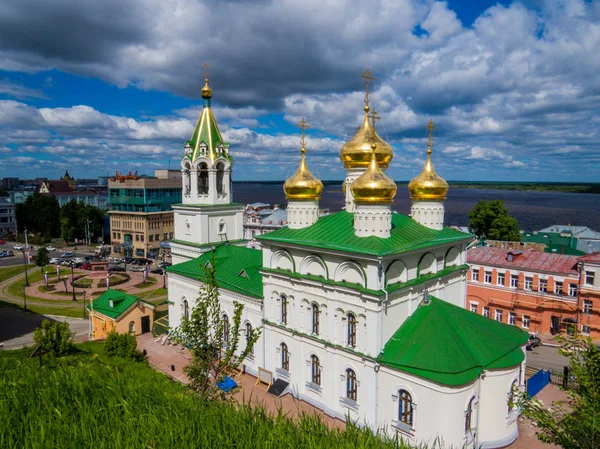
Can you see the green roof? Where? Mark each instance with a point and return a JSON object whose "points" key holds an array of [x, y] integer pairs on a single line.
{"points": [[121, 302], [206, 131], [236, 269], [336, 232], [554, 241], [451, 345]]}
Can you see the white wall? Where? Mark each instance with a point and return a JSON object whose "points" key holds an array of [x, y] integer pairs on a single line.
{"points": [[200, 225]]}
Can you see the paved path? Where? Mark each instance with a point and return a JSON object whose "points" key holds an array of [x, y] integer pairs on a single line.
{"points": [[546, 357]]}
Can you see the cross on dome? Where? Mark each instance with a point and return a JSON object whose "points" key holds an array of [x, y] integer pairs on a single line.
{"points": [[303, 125], [368, 78]]}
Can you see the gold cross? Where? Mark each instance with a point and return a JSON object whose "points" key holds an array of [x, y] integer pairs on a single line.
{"points": [[304, 126], [430, 127], [368, 78], [374, 118], [206, 66]]}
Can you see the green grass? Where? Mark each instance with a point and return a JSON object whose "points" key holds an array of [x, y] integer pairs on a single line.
{"points": [[86, 400], [73, 311], [149, 281], [83, 283], [8, 272]]}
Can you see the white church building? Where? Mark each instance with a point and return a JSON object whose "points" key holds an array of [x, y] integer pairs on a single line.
{"points": [[363, 310]]}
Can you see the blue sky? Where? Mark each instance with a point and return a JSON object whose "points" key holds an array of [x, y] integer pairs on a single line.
{"points": [[95, 87]]}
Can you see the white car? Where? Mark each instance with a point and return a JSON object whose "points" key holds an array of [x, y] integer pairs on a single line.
{"points": [[56, 260], [78, 260], [50, 248], [19, 247]]}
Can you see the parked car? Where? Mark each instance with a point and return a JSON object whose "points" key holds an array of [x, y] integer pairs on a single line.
{"points": [[50, 248], [68, 263], [128, 260], [67, 254], [78, 260], [115, 268], [138, 268], [88, 258], [19, 247], [163, 264], [86, 266], [9, 253], [533, 342], [56, 260], [115, 260], [2, 242], [157, 271]]}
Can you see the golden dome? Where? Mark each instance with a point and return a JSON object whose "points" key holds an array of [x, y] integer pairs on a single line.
{"points": [[357, 151], [373, 186], [206, 90], [303, 185], [428, 185]]}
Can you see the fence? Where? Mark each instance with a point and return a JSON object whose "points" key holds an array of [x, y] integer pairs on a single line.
{"points": [[537, 382], [563, 379]]}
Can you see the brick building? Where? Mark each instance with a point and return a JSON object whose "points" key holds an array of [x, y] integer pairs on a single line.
{"points": [[540, 292]]}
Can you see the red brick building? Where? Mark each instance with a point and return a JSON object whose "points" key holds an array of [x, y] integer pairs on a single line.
{"points": [[540, 292]]}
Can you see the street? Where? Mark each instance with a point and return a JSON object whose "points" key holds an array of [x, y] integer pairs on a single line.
{"points": [[546, 357]]}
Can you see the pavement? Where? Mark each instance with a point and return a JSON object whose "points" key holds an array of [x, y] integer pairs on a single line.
{"points": [[546, 357], [16, 327]]}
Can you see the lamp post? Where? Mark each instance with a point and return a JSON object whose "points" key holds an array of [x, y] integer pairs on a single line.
{"points": [[164, 271], [72, 282], [25, 252], [24, 297]]}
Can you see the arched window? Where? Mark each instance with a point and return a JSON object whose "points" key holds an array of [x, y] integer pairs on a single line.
{"points": [[186, 309], [132, 327], [203, 179], [248, 335], [351, 385], [186, 180], [225, 328], [405, 407], [315, 319], [469, 415], [285, 357], [284, 305], [315, 369], [351, 340], [511, 396], [220, 173]]}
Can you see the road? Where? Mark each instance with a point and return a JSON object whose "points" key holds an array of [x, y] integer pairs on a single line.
{"points": [[546, 357]]}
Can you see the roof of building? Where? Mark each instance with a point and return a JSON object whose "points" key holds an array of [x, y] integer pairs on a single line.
{"points": [[207, 132], [121, 303], [58, 186], [523, 259], [5, 201], [336, 232], [594, 257], [451, 345], [582, 232], [236, 269], [275, 217], [556, 242], [258, 204]]}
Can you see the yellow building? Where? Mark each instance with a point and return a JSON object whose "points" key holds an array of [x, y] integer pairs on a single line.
{"points": [[118, 311]]}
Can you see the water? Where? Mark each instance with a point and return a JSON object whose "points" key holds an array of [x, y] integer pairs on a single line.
{"points": [[533, 210]]}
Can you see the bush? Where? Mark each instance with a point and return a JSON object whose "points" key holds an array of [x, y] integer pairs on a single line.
{"points": [[54, 338], [122, 345]]}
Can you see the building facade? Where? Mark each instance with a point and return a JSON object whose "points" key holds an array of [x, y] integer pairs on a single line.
{"points": [[8, 223], [140, 212], [362, 311], [539, 292]]}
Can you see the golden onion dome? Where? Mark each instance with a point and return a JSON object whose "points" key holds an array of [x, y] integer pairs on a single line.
{"points": [[428, 185], [303, 185], [357, 151], [373, 186], [206, 90]]}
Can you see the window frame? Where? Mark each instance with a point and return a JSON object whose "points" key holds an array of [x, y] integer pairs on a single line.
{"points": [[473, 306], [226, 329], [514, 281], [315, 312], [485, 311], [315, 367], [558, 287], [585, 329], [475, 275], [405, 408], [528, 283], [351, 330], [500, 276], [572, 290], [512, 318], [248, 328], [284, 309], [469, 416], [186, 309], [543, 285], [351, 385], [285, 357], [499, 313], [526, 319], [589, 274], [487, 277], [587, 307]]}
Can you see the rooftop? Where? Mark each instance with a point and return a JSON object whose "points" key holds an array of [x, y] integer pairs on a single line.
{"points": [[120, 303], [594, 258], [336, 232], [451, 345], [525, 259]]}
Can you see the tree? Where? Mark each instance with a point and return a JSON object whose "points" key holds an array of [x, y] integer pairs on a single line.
{"points": [[41, 258], [40, 213], [490, 220], [54, 338], [122, 345], [214, 355], [576, 424]]}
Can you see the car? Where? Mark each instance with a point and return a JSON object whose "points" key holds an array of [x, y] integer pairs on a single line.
{"points": [[157, 271], [88, 258], [114, 269], [78, 260], [50, 248], [19, 247], [129, 260], [56, 260], [137, 268], [9, 253], [86, 266], [68, 263], [2, 242], [115, 260], [533, 342], [164, 264], [67, 254]]}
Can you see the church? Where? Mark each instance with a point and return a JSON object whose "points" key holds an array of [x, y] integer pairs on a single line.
{"points": [[362, 310]]}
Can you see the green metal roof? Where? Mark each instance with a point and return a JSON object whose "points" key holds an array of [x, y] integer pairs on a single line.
{"points": [[206, 131], [336, 232], [229, 263], [121, 302], [554, 241], [450, 345]]}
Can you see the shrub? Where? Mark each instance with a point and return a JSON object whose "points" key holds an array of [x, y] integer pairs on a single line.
{"points": [[54, 338], [122, 345]]}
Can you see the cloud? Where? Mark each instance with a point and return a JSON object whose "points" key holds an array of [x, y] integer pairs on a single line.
{"points": [[18, 91]]}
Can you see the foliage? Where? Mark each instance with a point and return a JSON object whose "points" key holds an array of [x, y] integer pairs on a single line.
{"points": [[54, 338], [576, 423], [39, 213], [490, 220], [122, 345], [41, 258], [73, 217], [118, 403], [203, 333]]}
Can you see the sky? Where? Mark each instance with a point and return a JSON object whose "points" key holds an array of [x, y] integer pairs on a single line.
{"points": [[100, 86]]}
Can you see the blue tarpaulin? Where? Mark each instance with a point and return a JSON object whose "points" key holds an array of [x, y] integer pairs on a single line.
{"points": [[227, 384]]}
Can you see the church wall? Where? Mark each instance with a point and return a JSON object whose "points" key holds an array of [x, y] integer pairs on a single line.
{"points": [[202, 226]]}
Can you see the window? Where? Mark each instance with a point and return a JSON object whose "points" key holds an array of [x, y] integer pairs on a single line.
{"points": [[284, 304], [585, 330], [315, 370], [473, 307], [512, 318], [475, 275], [131, 327], [587, 306], [151, 238], [511, 396], [186, 309], [248, 336], [315, 319], [498, 315], [469, 416], [351, 385], [351, 340], [225, 328], [486, 312], [203, 179], [285, 357], [514, 280], [526, 322], [405, 407], [589, 278], [572, 289], [528, 283], [500, 280], [558, 288], [222, 227], [543, 285], [487, 277]]}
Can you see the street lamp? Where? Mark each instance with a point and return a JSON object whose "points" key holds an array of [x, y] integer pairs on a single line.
{"points": [[25, 252], [164, 272], [72, 282], [24, 297]]}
